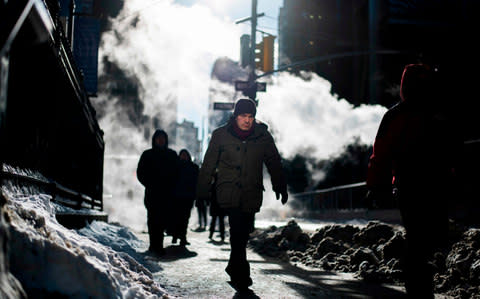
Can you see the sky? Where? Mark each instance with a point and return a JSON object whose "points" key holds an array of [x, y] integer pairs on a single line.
{"points": [[233, 10], [171, 48]]}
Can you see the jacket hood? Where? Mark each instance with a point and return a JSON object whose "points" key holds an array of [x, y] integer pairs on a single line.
{"points": [[184, 150], [416, 84], [158, 133]]}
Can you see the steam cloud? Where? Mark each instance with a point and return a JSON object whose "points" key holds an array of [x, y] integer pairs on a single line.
{"points": [[171, 49]]}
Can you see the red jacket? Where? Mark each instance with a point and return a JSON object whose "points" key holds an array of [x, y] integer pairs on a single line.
{"points": [[416, 146]]}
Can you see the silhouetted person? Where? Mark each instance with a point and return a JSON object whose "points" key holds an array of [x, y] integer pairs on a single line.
{"points": [[201, 204], [158, 170], [184, 195], [216, 213], [237, 152], [415, 149]]}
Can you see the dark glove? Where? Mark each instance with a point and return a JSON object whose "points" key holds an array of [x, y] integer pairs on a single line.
{"points": [[284, 196], [377, 196]]}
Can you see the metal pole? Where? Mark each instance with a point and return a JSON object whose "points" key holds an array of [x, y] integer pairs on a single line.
{"points": [[252, 36], [372, 38], [253, 43]]}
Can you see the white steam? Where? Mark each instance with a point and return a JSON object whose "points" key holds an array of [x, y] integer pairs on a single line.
{"points": [[171, 49], [307, 118]]}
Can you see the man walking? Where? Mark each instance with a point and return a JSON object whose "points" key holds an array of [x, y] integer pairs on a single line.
{"points": [[234, 158]]}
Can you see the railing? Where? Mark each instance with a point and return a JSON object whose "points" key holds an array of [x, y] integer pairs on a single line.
{"points": [[60, 194], [346, 197], [352, 196], [346, 202]]}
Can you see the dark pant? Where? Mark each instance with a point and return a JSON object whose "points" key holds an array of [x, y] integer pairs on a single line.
{"points": [[156, 227], [241, 225], [202, 215], [425, 218], [221, 225], [182, 216]]}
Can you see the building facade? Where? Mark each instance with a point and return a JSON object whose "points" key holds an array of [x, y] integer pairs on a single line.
{"points": [[361, 46], [186, 137]]}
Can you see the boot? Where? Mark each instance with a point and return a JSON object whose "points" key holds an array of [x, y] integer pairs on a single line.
{"points": [[184, 242]]}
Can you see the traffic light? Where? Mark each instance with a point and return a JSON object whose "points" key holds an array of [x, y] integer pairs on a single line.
{"points": [[264, 54], [268, 44], [259, 56]]}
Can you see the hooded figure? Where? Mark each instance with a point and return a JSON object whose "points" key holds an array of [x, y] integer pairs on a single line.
{"points": [[415, 151], [158, 171], [235, 157], [185, 193]]}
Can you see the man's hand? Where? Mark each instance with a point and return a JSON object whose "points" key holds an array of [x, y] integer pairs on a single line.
{"points": [[284, 196]]}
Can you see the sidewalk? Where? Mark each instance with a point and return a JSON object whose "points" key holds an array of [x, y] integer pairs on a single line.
{"points": [[197, 271]]}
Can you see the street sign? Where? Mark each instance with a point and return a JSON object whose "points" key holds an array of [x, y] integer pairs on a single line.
{"points": [[244, 85], [241, 85], [261, 86], [223, 106]]}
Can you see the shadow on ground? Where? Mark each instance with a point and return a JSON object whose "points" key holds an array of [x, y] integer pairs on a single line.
{"points": [[340, 286], [176, 252], [321, 283], [246, 294]]}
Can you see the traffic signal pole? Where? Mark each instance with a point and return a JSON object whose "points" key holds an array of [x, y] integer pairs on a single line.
{"points": [[249, 88], [252, 76]]}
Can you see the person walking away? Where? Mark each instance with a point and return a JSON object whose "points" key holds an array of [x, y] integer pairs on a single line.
{"points": [[184, 195], [201, 205], [241, 147], [415, 148], [216, 213], [157, 171]]}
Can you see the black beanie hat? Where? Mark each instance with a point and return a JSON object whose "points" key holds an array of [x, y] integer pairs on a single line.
{"points": [[245, 106]]}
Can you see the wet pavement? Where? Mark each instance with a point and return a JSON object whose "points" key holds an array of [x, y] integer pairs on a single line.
{"points": [[197, 271]]}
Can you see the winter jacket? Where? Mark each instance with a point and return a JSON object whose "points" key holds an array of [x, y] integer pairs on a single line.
{"points": [[187, 180], [239, 178], [415, 149]]}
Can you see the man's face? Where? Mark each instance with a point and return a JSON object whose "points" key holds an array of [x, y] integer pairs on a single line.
{"points": [[245, 121], [160, 141]]}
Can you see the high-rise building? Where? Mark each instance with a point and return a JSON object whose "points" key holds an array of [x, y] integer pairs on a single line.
{"points": [[361, 47], [187, 138], [310, 30]]}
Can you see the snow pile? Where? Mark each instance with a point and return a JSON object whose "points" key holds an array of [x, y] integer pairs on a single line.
{"points": [[10, 287], [373, 253], [99, 261]]}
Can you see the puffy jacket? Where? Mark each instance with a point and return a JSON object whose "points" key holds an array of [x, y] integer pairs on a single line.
{"points": [[239, 177]]}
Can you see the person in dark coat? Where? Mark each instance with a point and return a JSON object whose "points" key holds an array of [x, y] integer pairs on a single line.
{"points": [[201, 205], [157, 170], [184, 195], [237, 152], [415, 152], [216, 213]]}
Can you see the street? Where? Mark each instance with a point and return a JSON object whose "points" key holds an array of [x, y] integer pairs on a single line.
{"points": [[198, 272]]}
